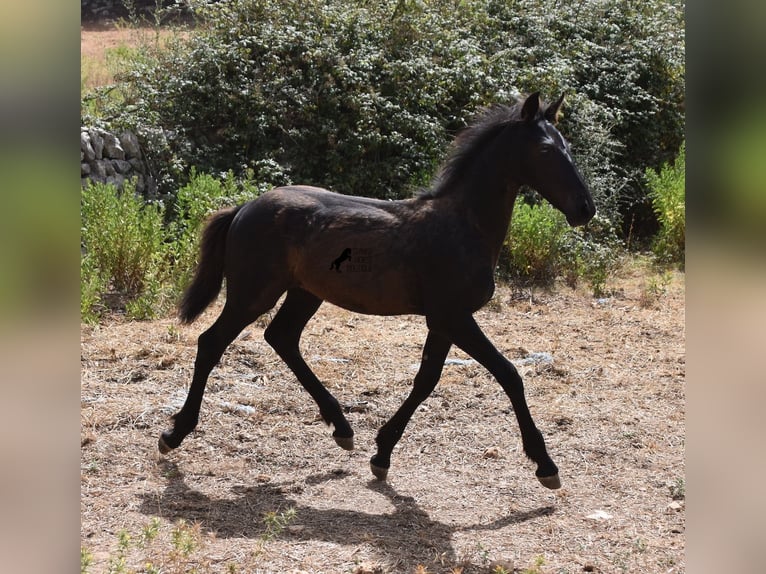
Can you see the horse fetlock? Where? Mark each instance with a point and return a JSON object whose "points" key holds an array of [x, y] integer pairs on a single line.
{"points": [[184, 424]]}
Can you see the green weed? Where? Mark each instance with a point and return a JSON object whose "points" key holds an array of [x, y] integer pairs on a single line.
{"points": [[157, 549], [150, 532], [678, 489], [654, 289], [276, 522], [118, 562], [535, 243], [667, 190], [536, 568], [123, 240], [86, 559]]}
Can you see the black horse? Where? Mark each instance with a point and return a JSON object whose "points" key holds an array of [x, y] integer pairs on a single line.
{"points": [[432, 255]]}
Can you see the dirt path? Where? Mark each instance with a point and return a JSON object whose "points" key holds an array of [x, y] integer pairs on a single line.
{"points": [[262, 487]]}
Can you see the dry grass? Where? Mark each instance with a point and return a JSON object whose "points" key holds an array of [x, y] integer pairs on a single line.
{"points": [[461, 497], [103, 50]]}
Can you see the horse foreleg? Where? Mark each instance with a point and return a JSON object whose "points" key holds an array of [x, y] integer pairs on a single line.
{"points": [[283, 334], [466, 334], [434, 353]]}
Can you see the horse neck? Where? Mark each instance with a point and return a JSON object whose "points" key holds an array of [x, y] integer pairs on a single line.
{"points": [[487, 196]]}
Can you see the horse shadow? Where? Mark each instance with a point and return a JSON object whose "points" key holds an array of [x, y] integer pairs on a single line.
{"points": [[407, 537]]}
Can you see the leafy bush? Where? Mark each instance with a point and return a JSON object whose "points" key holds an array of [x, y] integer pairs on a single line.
{"points": [[535, 243], [592, 254], [339, 94], [122, 238], [667, 190], [541, 246], [364, 97]]}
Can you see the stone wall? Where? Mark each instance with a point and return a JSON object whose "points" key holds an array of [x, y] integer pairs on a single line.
{"points": [[109, 158]]}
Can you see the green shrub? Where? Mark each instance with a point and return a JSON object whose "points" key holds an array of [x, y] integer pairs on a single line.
{"points": [[535, 242], [667, 189], [138, 256], [339, 94], [541, 246], [593, 254], [122, 239]]}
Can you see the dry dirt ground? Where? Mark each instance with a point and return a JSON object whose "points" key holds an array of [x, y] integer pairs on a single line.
{"points": [[262, 487]]}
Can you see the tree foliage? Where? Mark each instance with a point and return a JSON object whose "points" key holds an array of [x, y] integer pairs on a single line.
{"points": [[364, 97]]}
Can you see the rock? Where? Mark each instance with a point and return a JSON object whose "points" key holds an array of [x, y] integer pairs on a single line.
{"points": [[492, 452], [461, 362], [97, 141], [599, 515], [533, 359], [140, 184], [121, 166], [236, 408], [98, 170], [108, 168], [116, 180], [137, 165], [675, 506], [112, 147], [86, 148], [115, 159], [129, 143]]}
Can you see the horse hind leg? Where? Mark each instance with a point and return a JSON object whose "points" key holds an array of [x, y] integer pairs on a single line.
{"points": [[211, 345], [283, 334]]}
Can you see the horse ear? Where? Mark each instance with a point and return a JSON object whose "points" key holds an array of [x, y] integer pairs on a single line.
{"points": [[552, 111], [531, 107]]}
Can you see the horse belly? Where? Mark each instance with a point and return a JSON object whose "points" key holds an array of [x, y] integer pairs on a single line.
{"points": [[361, 279]]}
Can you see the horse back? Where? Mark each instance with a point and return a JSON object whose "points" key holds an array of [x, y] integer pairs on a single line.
{"points": [[366, 255]]}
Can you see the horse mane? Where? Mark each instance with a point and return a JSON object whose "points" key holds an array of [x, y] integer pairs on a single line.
{"points": [[470, 142]]}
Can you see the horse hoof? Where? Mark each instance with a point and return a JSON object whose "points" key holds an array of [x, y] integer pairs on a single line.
{"points": [[551, 482], [164, 447], [344, 442], [379, 472]]}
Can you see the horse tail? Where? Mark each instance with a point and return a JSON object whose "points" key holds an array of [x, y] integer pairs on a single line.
{"points": [[208, 276]]}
